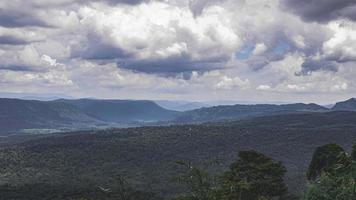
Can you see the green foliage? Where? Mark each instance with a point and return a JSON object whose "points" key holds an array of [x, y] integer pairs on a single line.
{"points": [[118, 189], [331, 188], [353, 154], [336, 183], [324, 159], [234, 112], [253, 176], [145, 155], [199, 183]]}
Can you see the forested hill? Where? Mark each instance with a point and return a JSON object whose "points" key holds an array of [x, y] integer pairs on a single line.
{"points": [[18, 115], [146, 156], [348, 105], [244, 111], [122, 110]]}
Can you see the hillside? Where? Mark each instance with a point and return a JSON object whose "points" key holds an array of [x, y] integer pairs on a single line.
{"points": [[146, 156], [348, 105], [181, 105], [122, 110], [48, 116], [217, 113], [18, 114]]}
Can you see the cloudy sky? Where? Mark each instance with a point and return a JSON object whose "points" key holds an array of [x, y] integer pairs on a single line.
{"points": [[246, 50]]}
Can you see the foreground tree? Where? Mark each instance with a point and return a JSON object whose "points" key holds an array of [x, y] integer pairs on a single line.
{"points": [[353, 154], [324, 158], [331, 188], [336, 182], [199, 183], [254, 176]]}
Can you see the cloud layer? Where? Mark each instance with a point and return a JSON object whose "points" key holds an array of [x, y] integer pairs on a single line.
{"points": [[322, 10], [188, 49]]}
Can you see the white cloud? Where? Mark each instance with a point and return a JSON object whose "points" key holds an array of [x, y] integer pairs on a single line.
{"points": [[259, 49], [157, 29], [230, 83], [49, 60], [299, 41], [173, 49], [342, 45], [26, 80], [26, 58], [263, 87]]}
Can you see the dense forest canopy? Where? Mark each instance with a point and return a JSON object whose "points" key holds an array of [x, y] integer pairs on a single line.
{"points": [[95, 162]]}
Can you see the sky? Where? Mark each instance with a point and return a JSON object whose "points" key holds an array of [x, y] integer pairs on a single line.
{"points": [[196, 50]]}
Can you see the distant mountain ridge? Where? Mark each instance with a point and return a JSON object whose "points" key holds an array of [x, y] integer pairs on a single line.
{"points": [[74, 114], [122, 110], [216, 113], [17, 114], [181, 105], [348, 105]]}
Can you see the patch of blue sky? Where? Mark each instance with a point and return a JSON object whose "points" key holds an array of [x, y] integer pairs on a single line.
{"points": [[281, 48], [245, 52]]}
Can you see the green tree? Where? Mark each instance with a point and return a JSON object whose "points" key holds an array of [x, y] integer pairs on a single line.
{"points": [[199, 183], [353, 154], [254, 176], [338, 182], [331, 188], [324, 159]]}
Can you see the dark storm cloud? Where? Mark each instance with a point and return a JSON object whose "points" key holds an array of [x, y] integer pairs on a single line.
{"points": [[93, 48], [104, 52], [17, 68], [170, 65], [322, 10], [10, 40], [310, 66], [100, 52], [18, 18]]}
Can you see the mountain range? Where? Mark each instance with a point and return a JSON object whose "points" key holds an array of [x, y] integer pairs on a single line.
{"points": [[74, 114], [348, 105]]}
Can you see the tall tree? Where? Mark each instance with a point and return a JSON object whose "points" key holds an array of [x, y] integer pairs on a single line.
{"points": [[324, 159], [199, 183], [353, 154], [254, 176], [338, 180]]}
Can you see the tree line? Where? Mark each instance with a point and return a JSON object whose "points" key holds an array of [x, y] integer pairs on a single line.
{"points": [[252, 176], [255, 176]]}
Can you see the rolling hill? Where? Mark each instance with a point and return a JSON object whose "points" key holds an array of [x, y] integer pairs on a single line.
{"points": [[234, 112], [122, 110], [63, 114], [181, 105], [146, 156], [17, 115], [348, 105]]}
